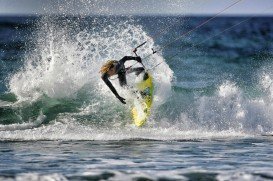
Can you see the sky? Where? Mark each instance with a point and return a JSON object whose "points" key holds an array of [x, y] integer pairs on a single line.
{"points": [[135, 7]]}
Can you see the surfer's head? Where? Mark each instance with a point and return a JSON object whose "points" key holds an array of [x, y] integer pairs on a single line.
{"points": [[109, 67]]}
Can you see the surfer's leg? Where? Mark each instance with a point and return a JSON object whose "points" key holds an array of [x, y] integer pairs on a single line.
{"points": [[122, 79]]}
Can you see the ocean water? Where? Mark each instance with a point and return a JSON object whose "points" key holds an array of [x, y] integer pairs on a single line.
{"points": [[211, 116]]}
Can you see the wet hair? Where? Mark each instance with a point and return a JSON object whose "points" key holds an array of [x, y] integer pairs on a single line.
{"points": [[108, 65]]}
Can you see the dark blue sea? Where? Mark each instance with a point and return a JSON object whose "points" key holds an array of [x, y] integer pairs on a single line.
{"points": [[212, 113]]}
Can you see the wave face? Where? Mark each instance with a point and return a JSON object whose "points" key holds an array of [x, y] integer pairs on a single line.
{"points": [[220, 88]]}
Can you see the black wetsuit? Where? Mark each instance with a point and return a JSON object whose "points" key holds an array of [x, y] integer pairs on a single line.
{"points": [[121, 71]]}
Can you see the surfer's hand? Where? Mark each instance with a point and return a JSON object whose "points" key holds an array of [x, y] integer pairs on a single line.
{"points": [[138, 59], [121, 99]]}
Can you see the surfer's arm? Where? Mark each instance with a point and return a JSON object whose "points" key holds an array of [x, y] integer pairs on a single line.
{"points": [[124, 59], [112, 88]]}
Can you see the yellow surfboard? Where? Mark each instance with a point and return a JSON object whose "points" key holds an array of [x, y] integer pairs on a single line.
{"points": [[142, 105]]}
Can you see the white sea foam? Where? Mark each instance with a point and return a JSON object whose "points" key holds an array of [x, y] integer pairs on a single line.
{"points": [[72, 130], [230, 109], [61, 64], [240, 176], [23, 126], [40, 177]]}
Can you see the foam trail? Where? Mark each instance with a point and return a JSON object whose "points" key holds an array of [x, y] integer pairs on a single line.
{"points": [[71, 130], [62, 64], [24, 126], [5, 104]]}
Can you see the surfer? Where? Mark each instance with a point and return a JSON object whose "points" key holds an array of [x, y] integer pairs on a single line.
{"points": [[114, 67]]}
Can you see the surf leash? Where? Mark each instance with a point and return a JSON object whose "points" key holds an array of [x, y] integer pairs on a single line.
{"points": [[135, 52], [167, 28], [194, 45], [193, 29], [190, 31], [213, 36], [200, 25], [181, 36], [135, 49]]}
